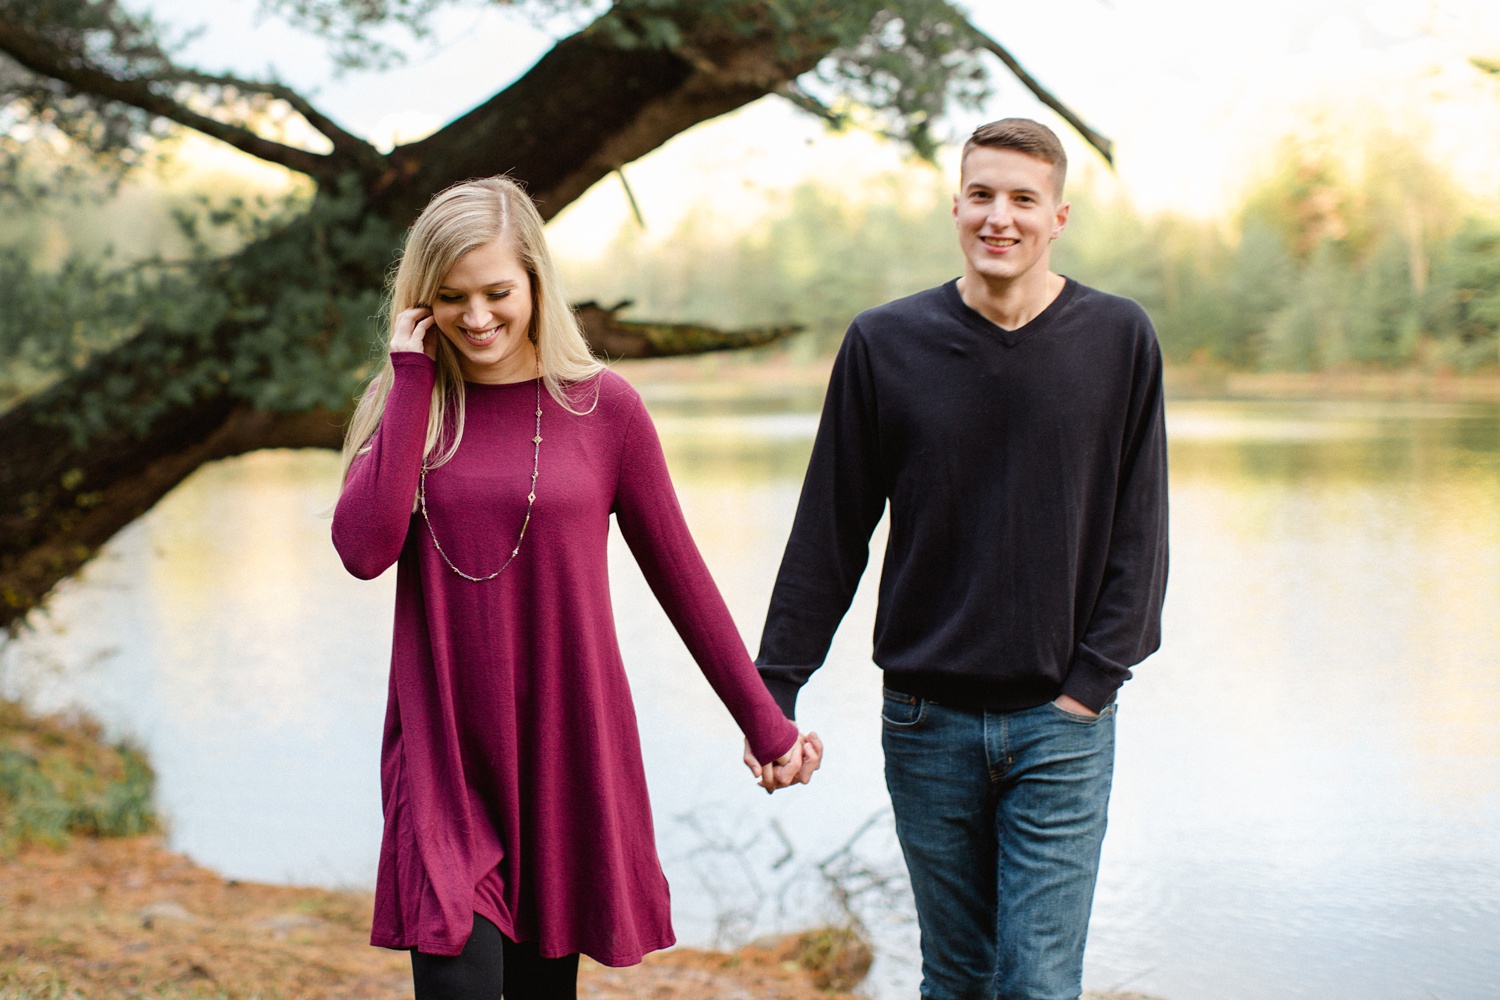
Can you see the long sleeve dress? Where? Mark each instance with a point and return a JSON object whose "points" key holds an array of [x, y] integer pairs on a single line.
{"points": [[511, 770]]}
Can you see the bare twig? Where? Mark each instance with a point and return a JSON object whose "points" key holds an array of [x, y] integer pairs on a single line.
{"points": [[635, 208], [1098, 140], [785, 842], [813, 106]]}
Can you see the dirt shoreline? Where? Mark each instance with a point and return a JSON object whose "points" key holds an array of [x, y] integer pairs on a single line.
{"points": [[107, 917], [127, 917]]}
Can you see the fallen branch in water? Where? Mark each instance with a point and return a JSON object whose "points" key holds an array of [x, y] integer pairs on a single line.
{"points": [[613, 338]]}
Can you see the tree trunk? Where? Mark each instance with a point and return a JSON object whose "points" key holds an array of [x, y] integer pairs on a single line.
{"points": [[63, 502], [69, 501]]}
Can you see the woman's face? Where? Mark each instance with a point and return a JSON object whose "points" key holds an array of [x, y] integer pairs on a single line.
{"points": [[484, 309]]}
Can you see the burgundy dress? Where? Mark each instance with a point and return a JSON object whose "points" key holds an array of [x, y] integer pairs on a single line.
{"points": [[511, 769]]}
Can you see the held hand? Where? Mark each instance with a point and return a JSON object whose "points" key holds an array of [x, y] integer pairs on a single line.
{"points": [[780, 772], [1070, 704], [410, 332], [812, 757], [795, 766]]}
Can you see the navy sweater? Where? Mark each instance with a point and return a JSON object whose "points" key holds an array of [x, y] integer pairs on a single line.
{"points": [[1026, 475]]}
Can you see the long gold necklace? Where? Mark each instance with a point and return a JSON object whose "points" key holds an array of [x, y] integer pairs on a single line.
{"points": [[536, 455]]}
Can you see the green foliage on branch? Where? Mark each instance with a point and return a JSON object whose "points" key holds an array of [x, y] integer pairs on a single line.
{"points": [[308, 281], [53, 321], [97, 133], [918, 59]]}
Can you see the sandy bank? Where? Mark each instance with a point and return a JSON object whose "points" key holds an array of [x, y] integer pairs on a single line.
{"points": [[106, 918], [126, 917]]}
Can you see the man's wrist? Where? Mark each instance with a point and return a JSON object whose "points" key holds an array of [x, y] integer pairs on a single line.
{"points": [[1068, 703]]}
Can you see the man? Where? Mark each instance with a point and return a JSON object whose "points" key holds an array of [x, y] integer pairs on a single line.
{"points": [[1013, 421]]}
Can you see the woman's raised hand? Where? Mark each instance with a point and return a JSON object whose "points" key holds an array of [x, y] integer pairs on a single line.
{"points": [[796, 766], [410, 332]]}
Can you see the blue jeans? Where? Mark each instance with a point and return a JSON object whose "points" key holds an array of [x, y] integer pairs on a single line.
{"points": [[1000, 816]]}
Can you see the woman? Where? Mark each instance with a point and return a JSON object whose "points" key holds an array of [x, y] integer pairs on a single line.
{"points": [[485, 460]]}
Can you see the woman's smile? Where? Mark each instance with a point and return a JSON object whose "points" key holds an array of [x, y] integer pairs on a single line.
{"points": [[481, 337], [484, 310]]}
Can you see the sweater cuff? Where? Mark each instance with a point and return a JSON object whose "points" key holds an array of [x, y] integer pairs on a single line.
{"points": [[414, 361], [785, 693], [1093, 679], [780, 748]]}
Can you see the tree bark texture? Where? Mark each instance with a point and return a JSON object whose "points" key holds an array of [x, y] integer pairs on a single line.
{"points": [[588, 107]]}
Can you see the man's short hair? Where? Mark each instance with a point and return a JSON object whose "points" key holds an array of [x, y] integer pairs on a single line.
{"points": [[1024, 136]]}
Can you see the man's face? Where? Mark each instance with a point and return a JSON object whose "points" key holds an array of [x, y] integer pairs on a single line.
{"points": [[1007, 212]]}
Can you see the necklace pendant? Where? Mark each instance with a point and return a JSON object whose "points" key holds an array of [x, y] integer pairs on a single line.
{"points": [[530, 498]]}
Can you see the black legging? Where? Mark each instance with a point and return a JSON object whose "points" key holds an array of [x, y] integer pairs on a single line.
{"points": [[491, 966]]}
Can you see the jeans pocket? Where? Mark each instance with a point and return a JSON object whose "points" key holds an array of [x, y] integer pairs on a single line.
{"points": [[902, 710], [1086, 720]]}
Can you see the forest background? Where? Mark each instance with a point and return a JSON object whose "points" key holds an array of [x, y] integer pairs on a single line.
{"points": [[1353, 254], [1288, 189], [1372, 259]]}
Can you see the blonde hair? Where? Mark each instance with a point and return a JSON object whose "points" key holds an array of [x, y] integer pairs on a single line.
{"points": [[455, 222]]}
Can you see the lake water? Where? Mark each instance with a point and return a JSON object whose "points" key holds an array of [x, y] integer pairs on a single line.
{"points": [[1307, 800]]}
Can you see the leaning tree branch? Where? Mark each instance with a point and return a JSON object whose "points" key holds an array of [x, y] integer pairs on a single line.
{"points": [[588, 106], [353, 148], [1098, 140], [43, 57], [65, 503]]}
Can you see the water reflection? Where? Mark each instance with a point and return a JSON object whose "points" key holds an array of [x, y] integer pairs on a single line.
{"points": [[1308, 791], [1328, 696]]}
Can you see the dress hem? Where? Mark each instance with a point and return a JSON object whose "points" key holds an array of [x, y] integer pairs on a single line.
{"points": [[612, 961]]}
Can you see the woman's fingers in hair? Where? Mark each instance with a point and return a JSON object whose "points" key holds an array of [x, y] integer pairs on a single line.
{"points": [[409, 332]]}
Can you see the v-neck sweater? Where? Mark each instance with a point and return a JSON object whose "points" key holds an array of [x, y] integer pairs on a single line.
{"points": [[1025, 472], [511, 769]]}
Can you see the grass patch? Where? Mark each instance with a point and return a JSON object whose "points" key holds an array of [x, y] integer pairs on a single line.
{"points": [[17, 983], [59, 776]]}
